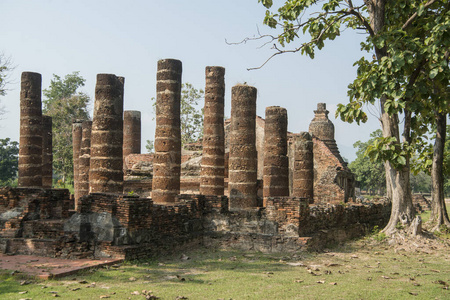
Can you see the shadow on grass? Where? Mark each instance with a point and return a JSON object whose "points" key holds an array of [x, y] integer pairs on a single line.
{"points": [[190, 271], [10, 282]]}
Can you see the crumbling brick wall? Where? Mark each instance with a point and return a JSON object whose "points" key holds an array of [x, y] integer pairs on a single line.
{"points": [[333, 181], [133, 227]]}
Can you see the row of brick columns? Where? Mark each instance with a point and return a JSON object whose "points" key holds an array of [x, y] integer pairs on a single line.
{"points": [[100, 146], [81, 134], [35, 143]]}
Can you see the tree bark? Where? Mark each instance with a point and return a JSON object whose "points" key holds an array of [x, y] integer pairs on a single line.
{"points": [[388, 182], [439, 215], [402, 209]]}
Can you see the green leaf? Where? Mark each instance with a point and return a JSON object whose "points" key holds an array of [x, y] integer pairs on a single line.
{"points": [[433, 73], [266, 3], [421, 10], [401, 160]]}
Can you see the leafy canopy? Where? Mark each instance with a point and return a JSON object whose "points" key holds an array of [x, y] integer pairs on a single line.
{"points": [[407, 64], [191, 117]]}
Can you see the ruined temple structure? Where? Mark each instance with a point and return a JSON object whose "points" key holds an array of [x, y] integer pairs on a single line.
{"points": [[250, 184], [333, 180]]}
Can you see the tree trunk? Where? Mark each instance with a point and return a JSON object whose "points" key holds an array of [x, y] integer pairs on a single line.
{"points": [[439, 214], [397, 181], [402, 208]]}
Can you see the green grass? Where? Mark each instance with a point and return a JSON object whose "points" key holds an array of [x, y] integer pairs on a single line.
{"points": [[357, 269]]}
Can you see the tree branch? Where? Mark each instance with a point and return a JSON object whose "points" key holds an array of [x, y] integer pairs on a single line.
{"points": [[345, 13], [409, 21], [357, 14]]}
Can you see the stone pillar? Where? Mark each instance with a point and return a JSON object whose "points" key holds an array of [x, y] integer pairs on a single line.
{"points": [[276, 162], [84, 160], [131, 133], [213, 156], [30, 143], [47, 152], [106, 163], [76, 146], [167, 157], [243, 157], [303, 173]]}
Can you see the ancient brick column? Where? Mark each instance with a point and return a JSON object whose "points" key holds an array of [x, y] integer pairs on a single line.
{"points": [[213, 159], [167, 158], [303, 173], [106, 163], [84, 160], [243, 157], [30, 143], [76, 146], [276, 162], [131, 133], [47, 152]]}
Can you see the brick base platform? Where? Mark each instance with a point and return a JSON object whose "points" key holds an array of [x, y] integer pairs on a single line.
{"points": [[47, 267]]}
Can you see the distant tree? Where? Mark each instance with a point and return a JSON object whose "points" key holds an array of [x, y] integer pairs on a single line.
{"points": [[191, 117], [5, 70], [420, 182], [64, 104], [439, 170], [369, 173], [434, 160], [149, 146], [9, 161]]}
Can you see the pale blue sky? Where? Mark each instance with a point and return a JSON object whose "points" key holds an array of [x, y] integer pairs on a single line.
{"points": [[127, 38]]}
